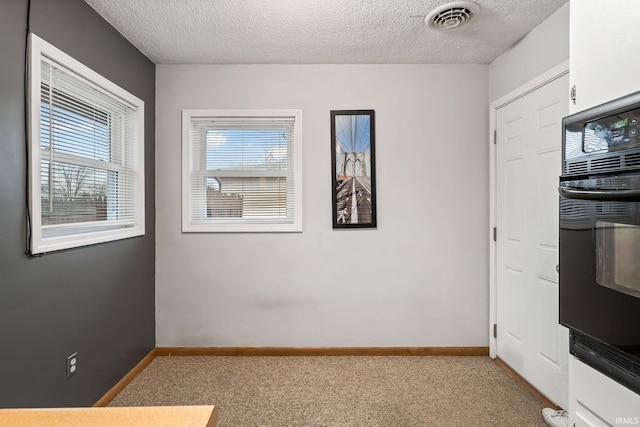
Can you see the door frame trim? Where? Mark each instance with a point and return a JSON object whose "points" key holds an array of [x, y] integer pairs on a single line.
{"points": [[537, 82]]}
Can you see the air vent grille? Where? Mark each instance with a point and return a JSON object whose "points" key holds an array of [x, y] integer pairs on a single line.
{"points": [[632, 160], [452, 15], [605, 163], [609, 162], [452, 18], [576, 167], [630, 367]]}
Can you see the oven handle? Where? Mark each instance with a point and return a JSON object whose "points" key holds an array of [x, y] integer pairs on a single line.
{"points": [[604, 195]]}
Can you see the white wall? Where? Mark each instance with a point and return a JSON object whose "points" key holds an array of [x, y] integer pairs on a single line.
{"points": [[419, 279], [544, 47]]}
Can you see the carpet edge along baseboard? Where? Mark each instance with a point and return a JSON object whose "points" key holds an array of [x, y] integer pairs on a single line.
{"points": [[120, 385], [322, 351]]}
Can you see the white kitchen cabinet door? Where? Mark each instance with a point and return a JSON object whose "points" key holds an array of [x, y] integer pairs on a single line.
{"points": [[604, 39]]}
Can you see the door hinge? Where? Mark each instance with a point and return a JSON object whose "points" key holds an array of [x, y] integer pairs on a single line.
{"points": [[495, 330], [495, 136], [495, 234], [574, 93]]}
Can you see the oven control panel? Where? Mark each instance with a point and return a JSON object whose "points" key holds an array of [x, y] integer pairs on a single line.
{"points": [[602, 139], [619, 132]]}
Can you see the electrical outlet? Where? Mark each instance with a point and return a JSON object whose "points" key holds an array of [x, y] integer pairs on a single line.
{"points": [[72, 365]]}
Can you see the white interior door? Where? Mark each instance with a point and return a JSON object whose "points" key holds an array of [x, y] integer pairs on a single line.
{"points": [[528, 163]]}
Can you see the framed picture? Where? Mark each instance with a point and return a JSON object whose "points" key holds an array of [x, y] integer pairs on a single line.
{"points": [[353, 168]]}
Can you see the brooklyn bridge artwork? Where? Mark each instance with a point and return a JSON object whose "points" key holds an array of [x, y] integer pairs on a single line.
{"points": [[353, 168]]}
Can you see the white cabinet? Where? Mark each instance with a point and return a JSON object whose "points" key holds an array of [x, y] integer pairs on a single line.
{"points": [[604, 38], [595, 400], [604, 64]]}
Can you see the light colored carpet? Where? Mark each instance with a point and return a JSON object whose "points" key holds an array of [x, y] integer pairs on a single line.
{"points": [[339, 391]]}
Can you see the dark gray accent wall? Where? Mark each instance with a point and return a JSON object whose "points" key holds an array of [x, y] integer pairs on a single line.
{"points": [[97, 300]]}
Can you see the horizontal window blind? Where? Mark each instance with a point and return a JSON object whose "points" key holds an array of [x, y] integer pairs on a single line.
{"points": [[88, 153], [242, 170]]}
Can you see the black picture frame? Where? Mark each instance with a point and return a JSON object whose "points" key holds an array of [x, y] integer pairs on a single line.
{"points": [[353, 168]]}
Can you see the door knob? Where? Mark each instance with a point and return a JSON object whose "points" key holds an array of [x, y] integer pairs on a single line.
{"points": [[558, 268]]}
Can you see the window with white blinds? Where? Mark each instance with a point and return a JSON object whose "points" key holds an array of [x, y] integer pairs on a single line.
{"points": [[241, 170], [86, 154]]}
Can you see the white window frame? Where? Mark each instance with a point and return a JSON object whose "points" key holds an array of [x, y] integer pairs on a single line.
{"points": [[233, 226], [66, 236]]}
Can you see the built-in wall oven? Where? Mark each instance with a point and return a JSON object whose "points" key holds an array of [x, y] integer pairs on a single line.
{"points": [[600, 238]]}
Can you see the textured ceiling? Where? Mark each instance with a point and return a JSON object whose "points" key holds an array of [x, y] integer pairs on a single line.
{"points": [[317, 31]]}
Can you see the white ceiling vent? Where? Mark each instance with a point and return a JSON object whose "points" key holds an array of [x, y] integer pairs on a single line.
{"points": [[452, 15]]}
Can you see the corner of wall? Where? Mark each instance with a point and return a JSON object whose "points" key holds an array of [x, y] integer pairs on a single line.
{"points": [[544, 47]]}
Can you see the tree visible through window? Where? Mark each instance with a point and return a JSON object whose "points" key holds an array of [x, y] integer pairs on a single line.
{"points": [[86, 148], [74, 192]]}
